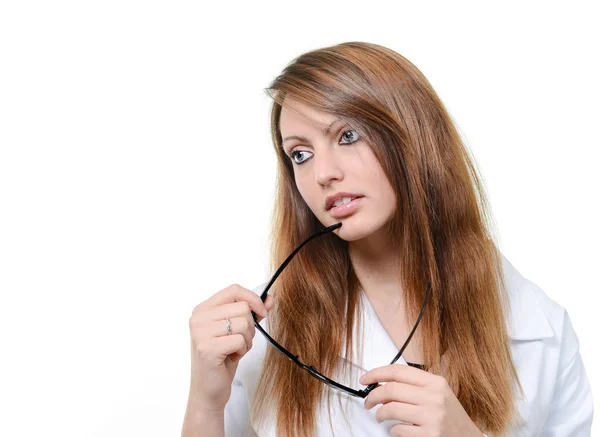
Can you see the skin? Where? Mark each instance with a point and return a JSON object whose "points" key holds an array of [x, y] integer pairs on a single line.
{"points": [[330, 165], [216, 354], [419, 398], [324, 164]]}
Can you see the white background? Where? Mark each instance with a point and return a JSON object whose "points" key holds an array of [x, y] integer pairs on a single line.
{"points": [[137, 172]]}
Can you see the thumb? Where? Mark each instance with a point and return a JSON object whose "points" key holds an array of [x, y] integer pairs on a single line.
{"points": [[269, 302]]}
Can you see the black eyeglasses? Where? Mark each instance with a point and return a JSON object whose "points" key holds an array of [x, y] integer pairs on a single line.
{"points": [[311, 369]]}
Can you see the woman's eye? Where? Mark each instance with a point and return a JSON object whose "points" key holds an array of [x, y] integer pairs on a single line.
{"points": [[299, 156], [296, 153], [353, 137]]}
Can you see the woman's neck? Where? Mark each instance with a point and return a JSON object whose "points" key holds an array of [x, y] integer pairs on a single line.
{"points": [[376, 265]]}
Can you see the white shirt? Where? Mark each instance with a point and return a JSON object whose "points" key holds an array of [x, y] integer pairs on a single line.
{"points": [[545, 350]]}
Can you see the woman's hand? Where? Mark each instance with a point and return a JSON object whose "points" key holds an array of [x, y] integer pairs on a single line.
{"points": [[420, 398], [215, 353]]}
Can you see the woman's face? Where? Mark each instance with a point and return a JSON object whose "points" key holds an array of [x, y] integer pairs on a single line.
{"points": [[338, 161]]}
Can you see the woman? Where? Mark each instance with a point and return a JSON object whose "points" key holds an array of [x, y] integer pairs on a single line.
{"points": [[367, 151]]}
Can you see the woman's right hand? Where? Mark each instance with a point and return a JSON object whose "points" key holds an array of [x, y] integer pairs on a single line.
{"points": [[215, 354]]}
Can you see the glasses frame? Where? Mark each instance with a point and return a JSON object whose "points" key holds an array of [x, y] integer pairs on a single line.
{"points": [[311, 369]]}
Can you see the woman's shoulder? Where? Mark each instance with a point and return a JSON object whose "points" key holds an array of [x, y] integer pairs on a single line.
{"points": [[543, 340], [545, 351], [533, 314]]}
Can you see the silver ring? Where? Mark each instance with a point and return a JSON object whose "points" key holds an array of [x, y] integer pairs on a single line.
{"points": [[229, 332]]}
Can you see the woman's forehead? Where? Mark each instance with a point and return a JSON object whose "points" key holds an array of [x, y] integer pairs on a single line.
{"points": [[296, 113]]}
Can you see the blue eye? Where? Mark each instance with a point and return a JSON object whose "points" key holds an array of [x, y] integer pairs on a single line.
{"points": [[348, 140], [296, 153], [345, 136]]}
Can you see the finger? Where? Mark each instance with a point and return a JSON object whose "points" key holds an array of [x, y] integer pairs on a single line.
{"points": [[398, 392], [232, 346], [236, 293], [398, 373], [239, 325], [406, 430], [398, 411], [269, 302], [237, 309]]}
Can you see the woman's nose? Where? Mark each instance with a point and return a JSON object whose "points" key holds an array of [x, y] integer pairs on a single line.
{"points": [[327, 167]]}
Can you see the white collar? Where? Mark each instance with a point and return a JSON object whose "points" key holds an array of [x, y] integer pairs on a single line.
{"points": [[528, 321]]}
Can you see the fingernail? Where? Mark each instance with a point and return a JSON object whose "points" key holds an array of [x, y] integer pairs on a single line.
{"points": [[362, 379]]}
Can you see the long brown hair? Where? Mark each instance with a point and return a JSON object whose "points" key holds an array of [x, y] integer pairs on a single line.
{"points": [[442, 229]]}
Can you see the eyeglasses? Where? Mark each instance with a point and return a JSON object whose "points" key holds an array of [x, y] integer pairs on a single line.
{"points": [[311, 369]]}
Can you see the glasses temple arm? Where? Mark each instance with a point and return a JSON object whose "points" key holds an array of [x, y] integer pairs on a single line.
{"points": [[414, 327], [289, 258]]}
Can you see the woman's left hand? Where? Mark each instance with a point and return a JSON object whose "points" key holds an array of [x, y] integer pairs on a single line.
{"points": [[420, 398]]}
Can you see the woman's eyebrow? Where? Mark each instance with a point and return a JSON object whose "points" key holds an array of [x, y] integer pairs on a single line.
{"points": [[301, 138]]}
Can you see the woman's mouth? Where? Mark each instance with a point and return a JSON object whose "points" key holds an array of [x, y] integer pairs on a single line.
{"points": [[345, 208]]}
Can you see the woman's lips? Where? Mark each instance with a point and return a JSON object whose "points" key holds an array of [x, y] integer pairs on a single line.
{"points": [[346, 209]]}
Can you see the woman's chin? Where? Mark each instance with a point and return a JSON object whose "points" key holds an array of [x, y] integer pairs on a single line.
{"points": [[350, 231]]}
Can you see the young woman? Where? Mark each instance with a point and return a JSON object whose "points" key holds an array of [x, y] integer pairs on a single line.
{"points": [[401, 267]]}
